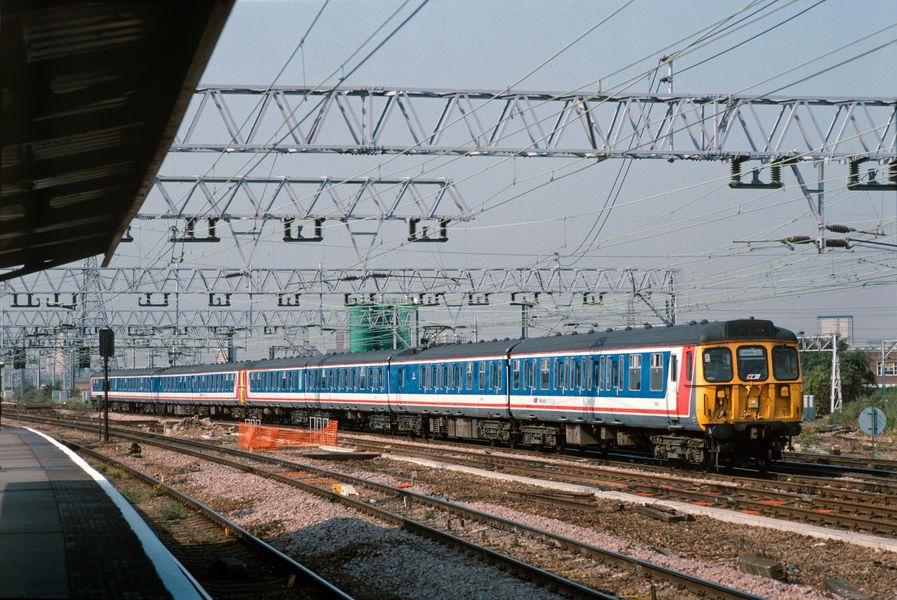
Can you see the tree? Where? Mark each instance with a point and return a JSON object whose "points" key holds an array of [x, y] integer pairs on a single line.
{"points": [[855, 374]]}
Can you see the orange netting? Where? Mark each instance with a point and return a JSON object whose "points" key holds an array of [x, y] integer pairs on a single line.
{"points": [[263, 437]]}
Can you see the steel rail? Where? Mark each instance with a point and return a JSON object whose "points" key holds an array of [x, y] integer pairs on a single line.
{"points": [[720, 494]]}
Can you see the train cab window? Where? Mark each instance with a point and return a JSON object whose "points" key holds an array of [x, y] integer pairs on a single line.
{"points": [[752, 364], [785, 363], [656, 383], [515, 378], [635, 372], [717, 364]]}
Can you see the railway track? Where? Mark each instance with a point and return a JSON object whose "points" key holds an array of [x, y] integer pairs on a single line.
{"points": [[804, 499], [862, 464], [531, 553], [227, 561]]}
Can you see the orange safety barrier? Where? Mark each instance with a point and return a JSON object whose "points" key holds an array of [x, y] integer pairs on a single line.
{"points": [[263, 437]]}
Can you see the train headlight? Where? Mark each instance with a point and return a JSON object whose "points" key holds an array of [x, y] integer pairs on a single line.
{"points": [[720, 393]]}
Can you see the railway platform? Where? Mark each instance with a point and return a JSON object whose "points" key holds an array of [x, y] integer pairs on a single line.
{"points": [[65, 532]]}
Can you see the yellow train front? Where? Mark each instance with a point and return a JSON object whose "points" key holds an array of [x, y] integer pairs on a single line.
{"points": [[747, 390]]}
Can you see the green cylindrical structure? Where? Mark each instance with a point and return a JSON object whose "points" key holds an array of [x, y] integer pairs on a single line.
{"points": [[380, 327]]}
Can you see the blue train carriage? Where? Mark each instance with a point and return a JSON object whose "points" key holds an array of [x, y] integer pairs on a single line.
{"points": [[353, 388], [458, 390], [206, 390], [614, 388], [197, 389], [127, 388], [273, 390]]}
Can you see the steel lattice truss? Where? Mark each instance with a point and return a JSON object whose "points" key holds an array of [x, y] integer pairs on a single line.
{"points": [[59, 288], [242, 198], [168, 308], [360, 120]]}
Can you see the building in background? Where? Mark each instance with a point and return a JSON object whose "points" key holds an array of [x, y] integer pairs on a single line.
{"points": [[831, 324], [890, 365]]}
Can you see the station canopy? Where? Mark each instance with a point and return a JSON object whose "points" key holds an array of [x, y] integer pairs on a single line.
{"points": [[93, 93]]}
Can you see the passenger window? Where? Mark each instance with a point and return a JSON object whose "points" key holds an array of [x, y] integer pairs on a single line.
{"points": [[563, 385], [618, 372], [656, 372], [689, 365], [515, 380], [470, 376], [544, 374], [481, 380], [635, 372]]}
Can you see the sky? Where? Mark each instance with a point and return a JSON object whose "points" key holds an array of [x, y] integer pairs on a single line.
{"points": [[548, 211]]}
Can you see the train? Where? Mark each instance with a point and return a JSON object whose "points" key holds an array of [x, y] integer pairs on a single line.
{"points": [[703, 392]]}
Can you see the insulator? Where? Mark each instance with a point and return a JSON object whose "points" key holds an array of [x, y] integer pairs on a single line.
{"points": [[836, 244], [799, 239], [776, 173], [839, 228], [854, 174], [892, 171], [736, 168]]}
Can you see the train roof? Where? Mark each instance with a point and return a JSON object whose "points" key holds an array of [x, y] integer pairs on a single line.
{"points": [[214, 368], [493, 348], [703, 332], [355, 358], [691, 333]]}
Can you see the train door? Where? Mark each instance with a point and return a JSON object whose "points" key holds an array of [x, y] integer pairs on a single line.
{"points": [[242, 376], [592, 376], [664, 375]]}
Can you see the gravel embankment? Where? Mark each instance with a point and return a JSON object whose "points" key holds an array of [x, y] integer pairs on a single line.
{"points": [[346, 547]]}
